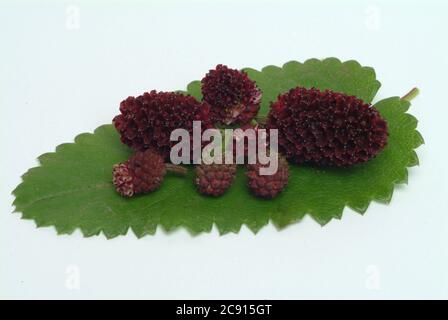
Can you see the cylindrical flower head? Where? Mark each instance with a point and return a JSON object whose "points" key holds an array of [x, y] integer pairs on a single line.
{"points": [[327, 128], [148, 120]]}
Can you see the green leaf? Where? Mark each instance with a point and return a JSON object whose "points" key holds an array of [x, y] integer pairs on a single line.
{"points": [[72, 187]]}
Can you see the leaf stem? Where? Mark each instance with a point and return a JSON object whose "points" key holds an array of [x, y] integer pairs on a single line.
{"points": [[176, 168], [411, 94]]}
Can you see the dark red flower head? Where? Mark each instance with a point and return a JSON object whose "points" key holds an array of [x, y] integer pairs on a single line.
{"points": [[214, 179], [232, 96], [148, 120], [142, 173], [327, 128], [268, 186]]}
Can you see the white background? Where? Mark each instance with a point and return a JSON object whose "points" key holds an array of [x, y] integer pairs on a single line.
{"points": [[64, 68]]}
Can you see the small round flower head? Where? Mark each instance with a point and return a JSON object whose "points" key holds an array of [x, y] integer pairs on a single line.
{"points": [[148, 120], [234, 98], [327, 128], [214, 179], [142, 173], [268, 186]]}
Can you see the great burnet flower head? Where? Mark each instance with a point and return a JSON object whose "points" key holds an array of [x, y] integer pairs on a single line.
{"points": [[268, 186], [142, 173], [148, 120], [214, 179], [327, 128], [234, 98]]}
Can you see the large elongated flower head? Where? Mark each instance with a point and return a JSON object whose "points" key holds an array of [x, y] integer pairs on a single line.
{"points": [[327, 128]]}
